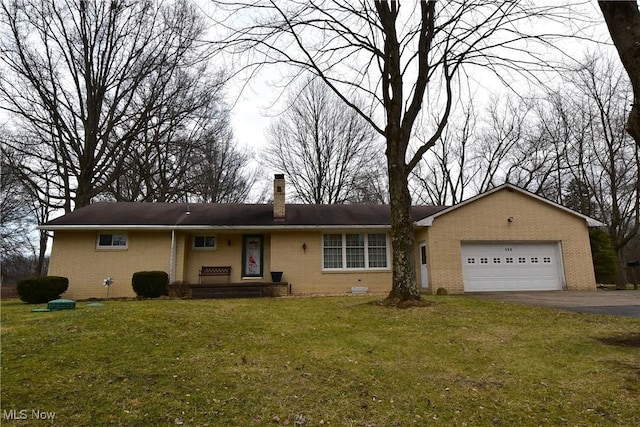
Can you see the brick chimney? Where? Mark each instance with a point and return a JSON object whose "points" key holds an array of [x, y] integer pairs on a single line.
{"points": [[278, 197]]}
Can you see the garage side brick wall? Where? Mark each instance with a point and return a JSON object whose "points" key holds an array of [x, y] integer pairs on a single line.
{"points": [[486, 219]]}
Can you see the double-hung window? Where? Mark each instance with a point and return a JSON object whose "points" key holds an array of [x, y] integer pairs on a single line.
{"points": [[357, 251], [332, 251], [377, 250]]}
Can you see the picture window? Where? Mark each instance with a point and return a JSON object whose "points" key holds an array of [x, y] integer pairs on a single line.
{"points": [[355, 251]]}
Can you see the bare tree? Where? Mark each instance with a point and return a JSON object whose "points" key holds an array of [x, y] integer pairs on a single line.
{"points": [[16, 216], [86, 79], [327, 150], [537, 160], [450, 168], [623, 20], [190, 156], [481, 151], [393, 56], [372, 187], [25, 203], [219, 171]]}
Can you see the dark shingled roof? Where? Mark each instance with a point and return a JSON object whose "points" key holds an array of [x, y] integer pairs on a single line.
{"points": [[229, 215]]}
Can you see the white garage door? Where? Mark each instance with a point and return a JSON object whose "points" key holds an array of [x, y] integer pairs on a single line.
{"points": [[512, 266]]}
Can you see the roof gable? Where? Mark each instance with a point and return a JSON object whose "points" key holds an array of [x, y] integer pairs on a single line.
{"points": [[428, 221]]}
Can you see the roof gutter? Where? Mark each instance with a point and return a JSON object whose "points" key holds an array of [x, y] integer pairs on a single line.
{"points": [[209, 227]]}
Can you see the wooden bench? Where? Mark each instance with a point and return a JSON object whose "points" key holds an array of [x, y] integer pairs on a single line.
{"points": [[207, 271]]}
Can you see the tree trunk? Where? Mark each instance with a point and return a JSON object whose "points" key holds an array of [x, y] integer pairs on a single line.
{"points": [[623, 21], [84, 191], [404, 286], [621, 277], [42, 253]]}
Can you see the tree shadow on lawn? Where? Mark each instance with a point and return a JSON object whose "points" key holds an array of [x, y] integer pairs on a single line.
{"points": [[631, 339], [402, 303]]}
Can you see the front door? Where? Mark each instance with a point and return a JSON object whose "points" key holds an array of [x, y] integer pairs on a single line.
{"points": [[252, 248], [424, 276]]}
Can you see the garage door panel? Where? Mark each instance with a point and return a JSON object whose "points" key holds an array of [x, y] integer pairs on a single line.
{"points": [[511, 266]]}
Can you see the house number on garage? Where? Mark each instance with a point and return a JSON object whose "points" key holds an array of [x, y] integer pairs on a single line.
{"points": [[508, 249]]}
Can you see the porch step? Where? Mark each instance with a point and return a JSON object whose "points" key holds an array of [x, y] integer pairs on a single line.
{"points": [[233, 291], [226, 292]]}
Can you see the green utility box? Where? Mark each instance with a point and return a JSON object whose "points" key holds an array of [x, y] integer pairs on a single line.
{"points": [[61, 304]]}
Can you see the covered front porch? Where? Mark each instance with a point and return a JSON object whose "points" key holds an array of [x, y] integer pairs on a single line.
{"points": [[215, 258]]}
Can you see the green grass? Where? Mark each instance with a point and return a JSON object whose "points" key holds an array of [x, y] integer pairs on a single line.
{"points": [[338, 361]]}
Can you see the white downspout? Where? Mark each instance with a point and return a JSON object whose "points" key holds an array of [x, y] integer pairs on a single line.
{"points": [[172, 261]]}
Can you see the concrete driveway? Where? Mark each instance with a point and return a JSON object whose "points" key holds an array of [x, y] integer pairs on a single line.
{"points": [[616, 303]]}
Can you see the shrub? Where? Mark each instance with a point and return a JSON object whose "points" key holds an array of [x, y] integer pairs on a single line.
{"points": [[150, 284], [442, 291], [38, 290]]}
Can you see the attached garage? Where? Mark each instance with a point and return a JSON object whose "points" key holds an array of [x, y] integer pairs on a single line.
{"points": [[506, 239], [512, 266]]}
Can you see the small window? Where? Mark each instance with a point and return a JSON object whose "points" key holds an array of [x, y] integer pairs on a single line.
{"points": [[484, 260], [546, 260], [508, 260], [534, 260], [204, 242], [522, 260], [117, 241], [497, 260], [471, 260]]}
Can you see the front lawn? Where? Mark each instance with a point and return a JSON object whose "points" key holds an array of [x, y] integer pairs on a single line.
{"points": [[339, 361]]}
